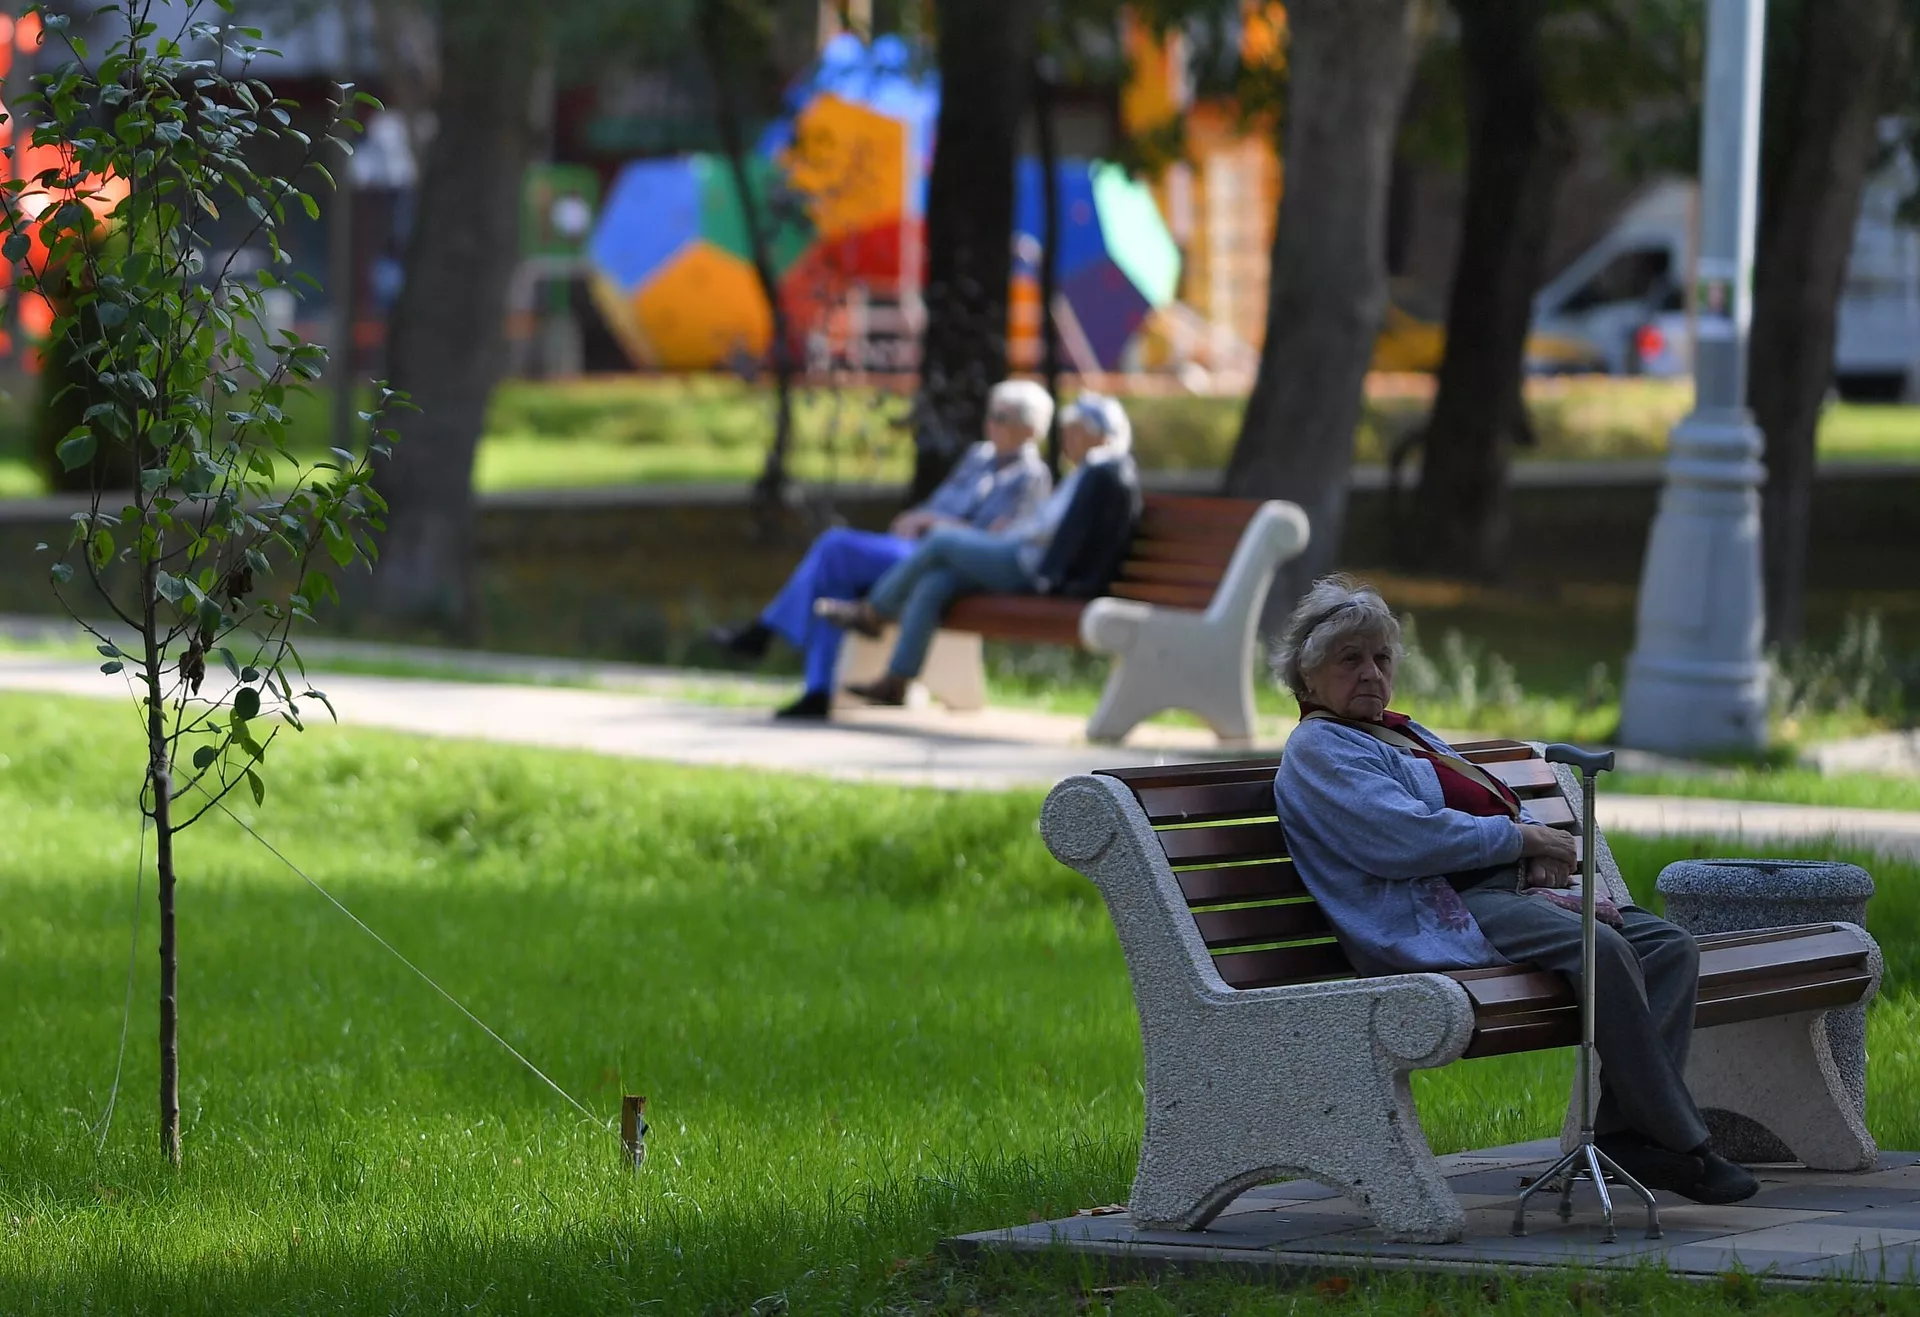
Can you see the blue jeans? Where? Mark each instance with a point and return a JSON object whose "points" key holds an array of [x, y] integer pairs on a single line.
{"points": [[840, 564], [946, 563]]}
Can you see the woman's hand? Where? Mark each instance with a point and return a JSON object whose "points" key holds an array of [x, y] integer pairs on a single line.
{"points": [[1537, 841], [1542, 872]]}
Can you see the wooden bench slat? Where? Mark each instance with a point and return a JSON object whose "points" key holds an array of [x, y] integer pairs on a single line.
{"points": [[1193, 527], [1253, 925], [1197, 574], [1191, 597], [1210, 803], [1554, 811], [1213, 554], [1037, 618], [1725, 966], [1216, 770], [1495, 752], [1205, 504], [1742, 937], [1283, 965], [1231, 841], [1810, 992], [1559, 1026], [1240, 882], [1524, 775]]}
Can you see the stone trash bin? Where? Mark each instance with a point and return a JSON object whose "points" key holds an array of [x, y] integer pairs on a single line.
{"points": [[1729, 896]]}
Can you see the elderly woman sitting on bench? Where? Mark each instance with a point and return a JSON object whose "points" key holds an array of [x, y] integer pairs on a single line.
{"points": [[1072, 546], [1423, 861]]}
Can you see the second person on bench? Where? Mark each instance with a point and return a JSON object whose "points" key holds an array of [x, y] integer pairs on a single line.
{"points": [[1072, 546]]}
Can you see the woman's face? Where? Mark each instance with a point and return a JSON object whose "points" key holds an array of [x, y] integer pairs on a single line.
{"points": [[1356, 680], [1076, 441]]}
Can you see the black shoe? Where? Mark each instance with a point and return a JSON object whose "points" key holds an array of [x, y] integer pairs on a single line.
{"points": [[1721, 1181], [749, 640], [886, 690], [1654, 1166], [814, 705]]}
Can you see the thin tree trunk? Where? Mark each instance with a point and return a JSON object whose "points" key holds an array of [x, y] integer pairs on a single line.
{"points": [[1827, 81], [1348, 62], [448, 341], [986, 50], [1049, 242], [1517, 145], [771, 489], [160, 782]]}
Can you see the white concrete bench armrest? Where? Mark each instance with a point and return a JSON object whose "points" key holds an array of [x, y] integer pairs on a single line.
{"points": [[1178, 658]]}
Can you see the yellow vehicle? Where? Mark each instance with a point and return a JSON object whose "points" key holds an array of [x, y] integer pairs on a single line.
{"points": [[1411, 345]]}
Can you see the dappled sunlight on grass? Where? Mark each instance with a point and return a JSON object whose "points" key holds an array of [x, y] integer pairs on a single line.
{"points": [[864, 1018]]}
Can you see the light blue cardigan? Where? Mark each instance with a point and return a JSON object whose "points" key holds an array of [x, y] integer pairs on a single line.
{"points": [[1372, 839]]}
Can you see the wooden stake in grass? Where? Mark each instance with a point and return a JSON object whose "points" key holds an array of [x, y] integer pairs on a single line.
{"points": [[196, 499], [633, 1129]]}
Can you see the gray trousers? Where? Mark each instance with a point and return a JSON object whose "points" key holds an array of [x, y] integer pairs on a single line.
{"points": [[1646, 976]]}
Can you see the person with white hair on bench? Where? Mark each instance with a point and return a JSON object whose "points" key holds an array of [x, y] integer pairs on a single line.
{"points": [[1072, 546], [996, 483]]}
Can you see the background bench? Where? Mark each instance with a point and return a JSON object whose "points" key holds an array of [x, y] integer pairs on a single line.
{"points": [[1266, 1057], [1178, 622]]}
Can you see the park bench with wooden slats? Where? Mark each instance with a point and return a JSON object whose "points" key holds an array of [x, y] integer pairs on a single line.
{"points": [[1178, 620], [1267, 1055]]}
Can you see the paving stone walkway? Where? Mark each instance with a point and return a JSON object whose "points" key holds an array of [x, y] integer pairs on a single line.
{"points": [[670, 714], [1802, 1225]]}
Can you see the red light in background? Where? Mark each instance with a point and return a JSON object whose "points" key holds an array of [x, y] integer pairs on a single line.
{"points": [[1649, 342]]}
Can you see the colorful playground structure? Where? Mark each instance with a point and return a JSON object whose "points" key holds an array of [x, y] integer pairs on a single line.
{"points": [[839, 182]]}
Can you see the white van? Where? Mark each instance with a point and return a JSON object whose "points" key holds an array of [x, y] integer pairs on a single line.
{"points": [[1625, 297]]}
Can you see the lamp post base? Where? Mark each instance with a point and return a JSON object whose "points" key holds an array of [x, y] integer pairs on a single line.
{"points": [[1696, 682], [1682, 707]]}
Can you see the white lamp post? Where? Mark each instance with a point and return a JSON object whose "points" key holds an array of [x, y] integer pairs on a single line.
{"points": [[1697, 680]]}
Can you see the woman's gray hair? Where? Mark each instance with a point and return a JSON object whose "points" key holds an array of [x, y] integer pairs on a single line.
{"points": [[1336, 609], [1025, 399]]}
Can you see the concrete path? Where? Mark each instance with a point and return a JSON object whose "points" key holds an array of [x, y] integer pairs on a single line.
{"points": [[670, 715]]}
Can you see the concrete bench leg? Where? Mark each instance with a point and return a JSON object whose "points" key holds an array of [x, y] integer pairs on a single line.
{"points": [[1770, 1092], [955, 672], [1372, 1151], [1779, 1075]]}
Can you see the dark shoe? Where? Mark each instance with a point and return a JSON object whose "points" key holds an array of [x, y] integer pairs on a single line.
{"points": [[1653, 1166], [1721, 1181], [885, 689], [854, 615], [816, 706], [749, 640]]}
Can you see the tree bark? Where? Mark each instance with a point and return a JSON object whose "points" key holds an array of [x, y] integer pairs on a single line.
{"points": [[447, 345], [986, 58], [1348, 62], [771, 489], [160, 783], [1829, 69], [1517, 145]]}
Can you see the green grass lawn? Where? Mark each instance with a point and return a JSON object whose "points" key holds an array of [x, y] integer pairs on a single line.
{"points": [[622, 430], [864, 1018]]}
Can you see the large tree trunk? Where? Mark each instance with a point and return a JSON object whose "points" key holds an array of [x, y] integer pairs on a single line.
{"points": [[1348, 63], [447, 340], [986, 57], [1828, 74], [1517, 145]]}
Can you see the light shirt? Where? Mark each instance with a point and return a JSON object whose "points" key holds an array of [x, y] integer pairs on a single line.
{"points": [[985, 489]]}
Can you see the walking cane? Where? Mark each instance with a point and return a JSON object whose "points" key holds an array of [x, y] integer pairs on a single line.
{"points": [[1586, 1159]]}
